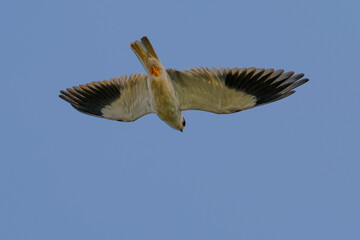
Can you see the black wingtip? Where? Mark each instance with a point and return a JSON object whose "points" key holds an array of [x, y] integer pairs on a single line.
{"points": [[92, 97], [266, 85], [278, 90]]}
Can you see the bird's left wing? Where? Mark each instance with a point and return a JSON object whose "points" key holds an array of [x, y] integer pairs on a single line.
{"points": [[121, 98], [220, 90]]}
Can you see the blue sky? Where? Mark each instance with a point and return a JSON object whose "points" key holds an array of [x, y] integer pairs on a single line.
{"points": [[287, 170]]}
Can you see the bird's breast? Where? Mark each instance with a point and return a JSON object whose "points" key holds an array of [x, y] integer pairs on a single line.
{"points": [[164, 98]]}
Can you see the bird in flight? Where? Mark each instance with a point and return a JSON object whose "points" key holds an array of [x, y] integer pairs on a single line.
{"points": [[168, 92]]}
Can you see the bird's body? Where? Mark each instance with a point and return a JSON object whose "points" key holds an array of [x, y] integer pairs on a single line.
{"points": [[165, 103], [167, 92], [162, 92]]}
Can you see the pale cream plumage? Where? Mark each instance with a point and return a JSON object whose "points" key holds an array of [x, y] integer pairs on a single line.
{"points": [[167, 92]]}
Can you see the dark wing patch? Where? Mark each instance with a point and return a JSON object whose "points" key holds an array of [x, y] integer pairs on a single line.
{"points": [[220, 90], [93, 97], [266, 85]]}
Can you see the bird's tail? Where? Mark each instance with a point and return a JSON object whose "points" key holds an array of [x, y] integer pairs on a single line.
{"points": [[143, 50], [147, 45]]}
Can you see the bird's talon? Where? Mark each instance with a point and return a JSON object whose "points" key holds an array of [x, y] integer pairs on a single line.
{"points": [[154, 71]]}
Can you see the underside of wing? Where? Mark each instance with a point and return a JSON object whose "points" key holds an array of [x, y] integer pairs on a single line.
{"points": [[220, 90], [120, 98]]}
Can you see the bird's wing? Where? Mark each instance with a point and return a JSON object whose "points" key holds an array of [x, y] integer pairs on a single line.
{"points": [[220, 90], [120, 98]]}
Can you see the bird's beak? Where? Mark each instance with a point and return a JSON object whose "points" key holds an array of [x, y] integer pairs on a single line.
{"points": [[154, 71], [181, 130]]}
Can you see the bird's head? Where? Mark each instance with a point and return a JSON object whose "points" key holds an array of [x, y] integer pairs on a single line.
{"points": [[180, 124], [177, 122]]}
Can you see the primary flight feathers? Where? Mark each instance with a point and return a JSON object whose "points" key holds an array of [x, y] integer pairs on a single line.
{"points": [[167, 92]]}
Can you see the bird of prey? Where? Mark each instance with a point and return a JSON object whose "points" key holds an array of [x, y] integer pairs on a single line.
{"points": [[167, 92]]}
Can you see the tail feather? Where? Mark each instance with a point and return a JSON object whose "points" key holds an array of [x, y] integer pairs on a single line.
{"points": [[145, 52], [138, 49], [146, 43]]}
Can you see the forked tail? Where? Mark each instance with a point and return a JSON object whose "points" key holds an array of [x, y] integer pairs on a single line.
{"points": [[144, 51]]}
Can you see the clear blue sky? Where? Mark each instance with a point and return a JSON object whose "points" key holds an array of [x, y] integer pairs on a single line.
{"points": [[287, 170]]}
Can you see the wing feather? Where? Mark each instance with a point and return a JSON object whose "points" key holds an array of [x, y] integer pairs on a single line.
{"points": [[220, 90], [120, 98]]}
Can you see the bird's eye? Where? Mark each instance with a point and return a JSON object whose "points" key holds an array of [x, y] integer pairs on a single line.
{"points": [[184, 123]]}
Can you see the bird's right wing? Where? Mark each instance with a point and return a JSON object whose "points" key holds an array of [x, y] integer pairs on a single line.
{"points": [[121, 98], [220, 90]]}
